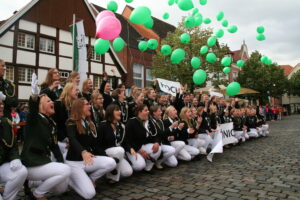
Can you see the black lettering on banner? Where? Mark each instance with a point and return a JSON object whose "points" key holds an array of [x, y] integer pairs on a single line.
{"points": [[227, 133], [170, 89]]}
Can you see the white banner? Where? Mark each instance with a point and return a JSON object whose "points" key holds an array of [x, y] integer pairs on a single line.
{"points": [[227, 133], [80, 63], [169, 87], [217, 146]]}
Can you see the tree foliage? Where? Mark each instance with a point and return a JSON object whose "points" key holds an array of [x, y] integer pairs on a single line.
{"points": [[294, 84], [183, 72], [268, 80]]}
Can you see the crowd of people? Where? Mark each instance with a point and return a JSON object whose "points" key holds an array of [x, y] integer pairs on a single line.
{"points": [[73, 136]]}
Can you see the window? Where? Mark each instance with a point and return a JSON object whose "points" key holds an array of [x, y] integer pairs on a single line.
{"points": [[25, 74], [97, 80], [47, 45], [26, 41], [9, 73], [235, 75], [149, 78], [64, 74], [94, 56], [138, 75]]}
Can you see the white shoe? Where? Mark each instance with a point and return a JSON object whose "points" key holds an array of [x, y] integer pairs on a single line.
{"points": [[202, 151]]}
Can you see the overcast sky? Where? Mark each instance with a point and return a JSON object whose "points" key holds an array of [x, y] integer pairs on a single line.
{"points": [[281, 19]]}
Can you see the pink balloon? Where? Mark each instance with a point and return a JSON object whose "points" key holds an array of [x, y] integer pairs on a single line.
{"points": [[108, 28], [103, 14]]}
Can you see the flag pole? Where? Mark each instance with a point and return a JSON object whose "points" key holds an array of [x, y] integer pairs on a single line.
{"points": [[73, 34]]}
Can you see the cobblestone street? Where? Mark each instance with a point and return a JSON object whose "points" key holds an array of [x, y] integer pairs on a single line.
{"points": [[265, 168]]}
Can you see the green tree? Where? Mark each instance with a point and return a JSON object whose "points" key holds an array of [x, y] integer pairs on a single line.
{"points": [[183, 72], [294, 84], [270, 80]]}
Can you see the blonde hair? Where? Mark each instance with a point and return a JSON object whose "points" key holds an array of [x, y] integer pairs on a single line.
{"points": [[167, 112], [184, 118], [72, 76], [85, 88], [65, 96], [76, 115]]}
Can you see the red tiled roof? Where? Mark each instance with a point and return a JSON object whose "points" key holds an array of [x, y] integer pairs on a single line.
{"points": [[287, 69], [236, 55]]}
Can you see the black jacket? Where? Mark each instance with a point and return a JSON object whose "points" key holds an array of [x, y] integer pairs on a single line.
{"points": [[251, 122], [80, 142], [124, 110], [60, 117], [40, 138], [162, 132], [237, 123], [136, 134], [87, 96], [205, 124], [96, 116], [107, 98], [171, 132], [108, 138], [52, 94], [184, 135]]}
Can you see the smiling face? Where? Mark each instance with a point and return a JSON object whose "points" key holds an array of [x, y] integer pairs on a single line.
{"points": [[144, 114], [157, 114], [46, 106], [117, 115], [74, 92], [86, 109], [90, 85], [55, 75], [188, 114], [173, 113]]}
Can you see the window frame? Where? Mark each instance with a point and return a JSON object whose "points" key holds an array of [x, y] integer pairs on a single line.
{"points": [[138, 78], [27, 75], [47, 40], [10, 68], [26, 41]]}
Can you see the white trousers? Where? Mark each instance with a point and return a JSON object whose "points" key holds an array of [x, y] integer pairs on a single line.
{"points": [[123, 167], [208, 140], [239, 135], [83, 176], [13, 180], [253, 133], [198, 143], [54, 178], [265, 129], [154, 156], [63, 147], [167, 151], [178, 145], [188, 153], [137, 162]]}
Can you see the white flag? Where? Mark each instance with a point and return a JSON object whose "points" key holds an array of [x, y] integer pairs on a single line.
{"points": [[169, 87], [80, 63]]}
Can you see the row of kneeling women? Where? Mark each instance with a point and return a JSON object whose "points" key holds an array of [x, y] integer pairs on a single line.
{"points": [[91, 149]]}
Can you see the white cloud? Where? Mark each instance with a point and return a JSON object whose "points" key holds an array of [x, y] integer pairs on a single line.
{"points": [[280, 18]]}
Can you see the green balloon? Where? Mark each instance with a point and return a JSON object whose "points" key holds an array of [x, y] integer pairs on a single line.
{"points": [[101, 46], [232, 29], [140, 15], [198, 19], [128, 1], [149, 24], [226, 61], [233, 89], [220, 33], [225, 23], [199, 77], [220, 16], [240, 63], [203, 50], [118, 44], [166, 15], [195, 11], [171, 2], [269, 62], [166, 49], [189, 22], [177, 56], [264, 59], [112, 6], [203, 2], [226, 70], [211, 58], [176, 1], [207, 21], [260, 29], [143, 45], [152, 44], [195, 62], [185, 38], [211, 41], [260, 37], [185, 5]]}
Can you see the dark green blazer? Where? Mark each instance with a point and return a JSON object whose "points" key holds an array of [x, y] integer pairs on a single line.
{"points": [[11, 100], [40, 138], [8, 145]]}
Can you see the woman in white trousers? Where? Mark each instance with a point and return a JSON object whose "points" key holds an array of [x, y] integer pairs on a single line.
{"points": [[12, 172], [40, 142], [141, 141], [112, 134], [86, 166]]}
